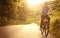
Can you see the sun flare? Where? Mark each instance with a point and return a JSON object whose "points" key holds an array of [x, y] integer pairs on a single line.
{"points": [[36, 2]]}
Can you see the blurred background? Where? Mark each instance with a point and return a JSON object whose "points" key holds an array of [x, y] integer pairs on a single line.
{"points": [[16, 12]]}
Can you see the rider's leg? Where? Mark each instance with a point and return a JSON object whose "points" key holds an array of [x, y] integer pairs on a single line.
{"points": [[48, 21], [48, 18], [48, 24], [41, 21], [41, 26]]}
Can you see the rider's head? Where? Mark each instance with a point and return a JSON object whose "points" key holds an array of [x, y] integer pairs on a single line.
{"points": [[45, 3]]}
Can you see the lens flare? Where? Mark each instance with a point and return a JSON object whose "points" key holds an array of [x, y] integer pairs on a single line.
{"points": [[36, 2]]}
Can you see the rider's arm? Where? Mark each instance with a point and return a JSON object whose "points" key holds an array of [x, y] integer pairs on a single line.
{"points": [[50, 10]]}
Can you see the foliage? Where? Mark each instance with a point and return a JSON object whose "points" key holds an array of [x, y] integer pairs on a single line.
{"points": [[55, 23], [11, 13], [55, 28]]}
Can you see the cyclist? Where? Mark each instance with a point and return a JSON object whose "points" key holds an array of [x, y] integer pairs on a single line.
{"points": [[44, 14]]}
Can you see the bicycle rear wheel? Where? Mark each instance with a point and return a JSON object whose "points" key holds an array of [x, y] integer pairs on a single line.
{"points": [[46, 30]]}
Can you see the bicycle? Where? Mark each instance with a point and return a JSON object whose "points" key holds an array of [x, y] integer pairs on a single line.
{"points": [[45, 27]]}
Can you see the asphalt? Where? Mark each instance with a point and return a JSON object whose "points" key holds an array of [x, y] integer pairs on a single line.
{"points": [[22, 31]]}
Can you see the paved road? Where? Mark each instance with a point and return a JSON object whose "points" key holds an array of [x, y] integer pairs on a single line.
{"points": [[22, 31]]}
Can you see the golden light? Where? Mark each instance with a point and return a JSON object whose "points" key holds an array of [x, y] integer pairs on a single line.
{"points": [[36, 2], [31, 27], [32, 2]]}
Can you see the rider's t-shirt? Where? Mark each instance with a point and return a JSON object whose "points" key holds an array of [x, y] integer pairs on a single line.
{"points": [[45, 10]]}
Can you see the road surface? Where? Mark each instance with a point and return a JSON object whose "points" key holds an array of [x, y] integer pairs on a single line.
{"points": [[22, 31]]}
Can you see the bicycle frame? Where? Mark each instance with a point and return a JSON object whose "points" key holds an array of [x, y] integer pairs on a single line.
{"points": [[45, 27]]}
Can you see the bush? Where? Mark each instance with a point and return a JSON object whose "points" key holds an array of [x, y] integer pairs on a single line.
{"points": [[55, 28]]}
